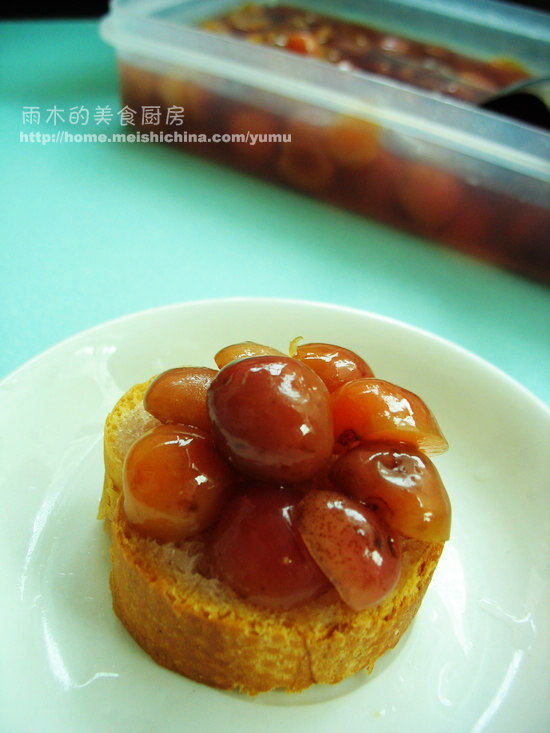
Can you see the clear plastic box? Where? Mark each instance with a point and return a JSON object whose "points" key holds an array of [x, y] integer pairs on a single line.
{"points": [[417, 160]]}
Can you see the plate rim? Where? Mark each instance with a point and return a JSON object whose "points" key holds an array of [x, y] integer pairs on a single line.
{"points": [[461, 350]]}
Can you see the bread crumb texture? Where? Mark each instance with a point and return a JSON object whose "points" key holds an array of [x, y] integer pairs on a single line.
{"points": [[127, 422]]}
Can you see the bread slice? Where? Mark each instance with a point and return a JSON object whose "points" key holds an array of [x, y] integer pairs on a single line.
{"points": [[199, 627]]}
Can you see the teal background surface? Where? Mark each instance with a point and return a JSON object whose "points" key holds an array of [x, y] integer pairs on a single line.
{"points": [[90, 232]]}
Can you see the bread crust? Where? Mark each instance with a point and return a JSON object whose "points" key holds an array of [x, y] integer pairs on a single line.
{"points": [[198, 627]]}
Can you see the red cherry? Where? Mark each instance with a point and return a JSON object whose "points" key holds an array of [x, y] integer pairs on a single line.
{"points": [[352, 546], [175, 483], [375, 410], [270, 417], [256, 550], [335, 365], [179, 396], [404, 486]]}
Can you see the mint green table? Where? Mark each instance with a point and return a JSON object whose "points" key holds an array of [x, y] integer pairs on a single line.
{"points": [[90, 232]]}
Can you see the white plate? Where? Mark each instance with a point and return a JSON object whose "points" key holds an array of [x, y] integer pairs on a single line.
{"points": [[477, 655]]}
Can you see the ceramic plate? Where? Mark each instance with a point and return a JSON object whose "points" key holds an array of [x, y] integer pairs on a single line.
{"points": [[476, 657]]}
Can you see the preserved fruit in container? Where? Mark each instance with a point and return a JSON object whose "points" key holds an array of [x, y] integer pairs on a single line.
{"points": [[292, 95]]}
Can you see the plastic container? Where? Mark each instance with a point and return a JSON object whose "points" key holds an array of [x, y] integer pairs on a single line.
{"points": [[417, 160]]}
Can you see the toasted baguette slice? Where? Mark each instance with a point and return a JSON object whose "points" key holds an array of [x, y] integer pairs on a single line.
{"points": [[200, 628]]}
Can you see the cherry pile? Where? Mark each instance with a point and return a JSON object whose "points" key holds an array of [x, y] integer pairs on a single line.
{"points": [[359, 47], [301, 472], [353, 163]]}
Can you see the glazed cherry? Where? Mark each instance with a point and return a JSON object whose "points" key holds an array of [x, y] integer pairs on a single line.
{"points": [[179, 396], [352, 545], [242, 351], [247, 122], [402, 484], [174, 482], [373, 410], [270, 417], [352, 143], [256, 550], [334, 364], [432, 198], [303, 43], [304, 162]]}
